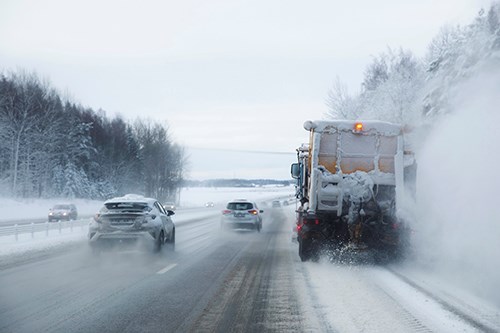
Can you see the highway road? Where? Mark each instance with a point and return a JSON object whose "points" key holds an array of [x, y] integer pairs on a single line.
{"points": [[223, 282]]}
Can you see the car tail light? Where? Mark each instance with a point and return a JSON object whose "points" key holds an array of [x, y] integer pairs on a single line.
{"points": [[253, 212], [226, 211]]}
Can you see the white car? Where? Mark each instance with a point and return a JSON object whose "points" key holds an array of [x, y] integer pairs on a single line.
{"points": [[132, 218], [241, 214]]}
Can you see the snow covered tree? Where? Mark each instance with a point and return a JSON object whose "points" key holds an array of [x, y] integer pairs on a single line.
{"points": [[162, 162], [340, 104], [376, 73], [391, 90], [457, 54], [27, 108]]}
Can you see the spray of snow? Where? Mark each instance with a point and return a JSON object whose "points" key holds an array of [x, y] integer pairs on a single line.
{"points": [[458, 185], [192, 207]]}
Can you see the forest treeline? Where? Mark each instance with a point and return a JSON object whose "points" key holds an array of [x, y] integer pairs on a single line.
{"points": [[50, 147]]}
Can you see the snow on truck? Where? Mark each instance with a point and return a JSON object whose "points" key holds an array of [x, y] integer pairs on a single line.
{"points": [[351, 181]]}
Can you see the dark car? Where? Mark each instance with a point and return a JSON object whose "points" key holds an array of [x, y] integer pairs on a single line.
{"points": [[63, 212]]}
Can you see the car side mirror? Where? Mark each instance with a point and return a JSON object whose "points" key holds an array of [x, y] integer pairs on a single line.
{"points": [[170, 212], [261, 211]]}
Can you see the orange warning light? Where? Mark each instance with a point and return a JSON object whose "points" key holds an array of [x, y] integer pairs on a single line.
{"points": [[358, 127]]}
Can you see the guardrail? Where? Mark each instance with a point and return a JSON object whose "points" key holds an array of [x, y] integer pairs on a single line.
{"points": [[16, 230]]}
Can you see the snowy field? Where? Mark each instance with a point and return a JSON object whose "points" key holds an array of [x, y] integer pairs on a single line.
{"points": [[24, 209], [190, 200]]}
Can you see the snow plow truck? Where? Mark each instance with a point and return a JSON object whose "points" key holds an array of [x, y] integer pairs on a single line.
{"points": [[352, 177]]}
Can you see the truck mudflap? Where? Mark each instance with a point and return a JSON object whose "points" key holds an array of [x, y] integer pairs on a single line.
{"points": [[309, 249]]}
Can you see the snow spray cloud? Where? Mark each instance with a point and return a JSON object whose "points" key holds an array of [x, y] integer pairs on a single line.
{"points": [[458, 188]]}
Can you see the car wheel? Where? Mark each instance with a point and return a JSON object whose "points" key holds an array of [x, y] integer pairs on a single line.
{"points": [[171, 241], [158, 242]]}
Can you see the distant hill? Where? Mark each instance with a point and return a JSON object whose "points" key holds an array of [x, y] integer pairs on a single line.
{"points": [[236, 182]]}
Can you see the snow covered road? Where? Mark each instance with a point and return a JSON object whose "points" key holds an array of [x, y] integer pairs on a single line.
{"points": [[219, 282]]}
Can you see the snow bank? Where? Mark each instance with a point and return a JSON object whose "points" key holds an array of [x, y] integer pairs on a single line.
{"points": [[19, 209]]}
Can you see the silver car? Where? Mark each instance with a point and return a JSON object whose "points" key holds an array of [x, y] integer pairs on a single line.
{"points": [[132, 218], [241, 214]]}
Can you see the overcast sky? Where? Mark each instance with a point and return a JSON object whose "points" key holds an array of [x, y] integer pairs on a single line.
{"points": [[231, 74]]}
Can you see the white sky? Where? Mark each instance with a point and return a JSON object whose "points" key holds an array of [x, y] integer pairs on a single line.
{"points": [[236, 75]]}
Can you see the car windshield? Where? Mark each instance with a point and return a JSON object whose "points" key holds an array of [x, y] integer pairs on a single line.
{"points": [[128, 206], [61, 207], [239, 205]]}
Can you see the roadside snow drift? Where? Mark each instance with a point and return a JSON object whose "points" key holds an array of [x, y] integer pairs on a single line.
{"points": [[458, 189]]}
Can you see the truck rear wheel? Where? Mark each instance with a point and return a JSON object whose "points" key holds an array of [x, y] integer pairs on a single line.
{"points": [[307, 250]]}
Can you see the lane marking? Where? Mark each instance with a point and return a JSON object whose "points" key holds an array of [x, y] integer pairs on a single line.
{"points": [[166, 269]]}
